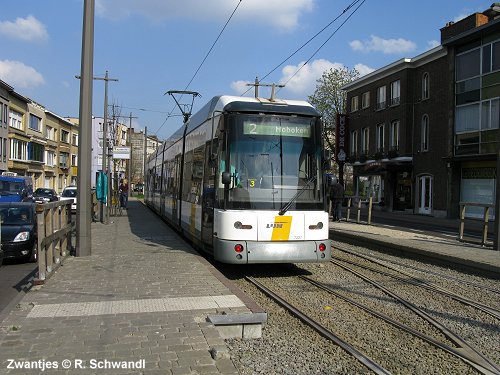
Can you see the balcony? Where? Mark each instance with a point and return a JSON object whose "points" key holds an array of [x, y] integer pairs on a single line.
{"points": [[395, 101]]}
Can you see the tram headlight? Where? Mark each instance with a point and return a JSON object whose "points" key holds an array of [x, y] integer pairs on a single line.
{"points": [[239, 225], [322, 247], [238, 248], [317, 226]]}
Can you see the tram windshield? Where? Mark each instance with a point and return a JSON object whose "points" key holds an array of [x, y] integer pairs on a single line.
{"points": [[272, 158]]}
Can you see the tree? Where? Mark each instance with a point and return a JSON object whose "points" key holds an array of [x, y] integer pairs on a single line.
{"points": [[329, 99]]}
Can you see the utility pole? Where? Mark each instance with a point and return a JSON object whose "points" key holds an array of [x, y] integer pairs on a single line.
{"points": [[103, 209], [496, 239], [145, 160], [83, 209]]}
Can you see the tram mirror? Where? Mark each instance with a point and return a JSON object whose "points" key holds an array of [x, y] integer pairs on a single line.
{"points": [[226, 178]]}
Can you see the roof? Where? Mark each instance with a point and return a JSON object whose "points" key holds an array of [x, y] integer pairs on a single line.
{"points": [[405, 63]]}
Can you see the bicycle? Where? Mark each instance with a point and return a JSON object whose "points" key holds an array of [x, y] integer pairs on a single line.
{"points": [[116, 207]]}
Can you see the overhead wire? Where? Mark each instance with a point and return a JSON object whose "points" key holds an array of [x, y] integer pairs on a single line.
{"points": [[203, 61], [322, 45], [310, 40]]}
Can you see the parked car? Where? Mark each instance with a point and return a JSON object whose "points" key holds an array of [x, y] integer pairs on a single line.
{"points": [[43, 195], [16, 188], [69, 192], [19, 231], [139, 188]]}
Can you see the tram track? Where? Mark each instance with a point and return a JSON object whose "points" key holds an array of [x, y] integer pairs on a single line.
{"points": [[322, 330], [426, 285], [394, 264], [458, 347]]}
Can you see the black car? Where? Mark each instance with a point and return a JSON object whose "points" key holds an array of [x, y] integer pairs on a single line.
{"points": [[19, 232], [43, 195]]}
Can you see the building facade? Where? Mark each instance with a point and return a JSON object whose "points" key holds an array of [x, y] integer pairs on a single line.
{"points": [[424, 132]]}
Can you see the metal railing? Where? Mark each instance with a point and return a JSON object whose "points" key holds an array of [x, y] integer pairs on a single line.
{"points": [[54, 228], [486, 216]]}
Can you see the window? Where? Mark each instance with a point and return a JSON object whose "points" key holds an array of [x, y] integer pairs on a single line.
{"points": [[467, 65], [490, 114], [5, 115], [16, 119], [64, 136], [63, 160], [74, 139], [425, 86], [425, 133], [5, 149], [467, 118], [50, 133], [354, 142], [354, 104], [396, 92], [380, 138], [365, 100], [491, 57], [36, 152], [74, 160], [18, 150], [35, 123], [395, 135], [365, 140], [50, 156], [381, 97]]}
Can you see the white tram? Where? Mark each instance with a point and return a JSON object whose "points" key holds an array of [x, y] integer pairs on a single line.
{"points": [[243, 181]]}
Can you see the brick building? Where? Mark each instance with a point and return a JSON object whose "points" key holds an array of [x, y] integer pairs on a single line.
{"points": [[424, 132]]}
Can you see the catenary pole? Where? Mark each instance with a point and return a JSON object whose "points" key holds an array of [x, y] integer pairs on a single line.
{"points": [[83, 209]]}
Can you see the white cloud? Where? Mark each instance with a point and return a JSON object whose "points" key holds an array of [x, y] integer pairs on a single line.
{"points": [[387, 46], [363, 69], [304, 82], [239, 87], [16, 74], [27, 29], [281, 14], [433, 43]]}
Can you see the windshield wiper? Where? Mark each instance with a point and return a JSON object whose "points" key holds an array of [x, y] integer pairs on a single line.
{"points": [[294, 198]]}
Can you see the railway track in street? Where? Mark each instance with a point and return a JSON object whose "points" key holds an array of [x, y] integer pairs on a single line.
{"points": [[396, 266], [462, 350], [322, 330], [423, 284]]}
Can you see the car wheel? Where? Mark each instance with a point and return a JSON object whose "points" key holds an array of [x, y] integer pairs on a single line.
{"points": [[34, 253]]}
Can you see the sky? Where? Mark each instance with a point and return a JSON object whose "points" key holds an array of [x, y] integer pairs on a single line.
{"points": [[213, 47]]}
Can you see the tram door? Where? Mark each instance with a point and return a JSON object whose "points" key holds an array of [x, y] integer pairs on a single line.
{"points": [[208, 199]]}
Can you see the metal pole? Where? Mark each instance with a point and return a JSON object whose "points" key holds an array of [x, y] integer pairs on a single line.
{"points": [[144, 175], [103, 208], [130, 157], [496, 238], [83, 213]]}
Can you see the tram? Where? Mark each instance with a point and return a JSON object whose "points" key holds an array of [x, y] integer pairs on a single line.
{"points": [[243, 180]]}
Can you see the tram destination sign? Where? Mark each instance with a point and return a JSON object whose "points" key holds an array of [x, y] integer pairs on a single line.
{"points": [[276, 128]]}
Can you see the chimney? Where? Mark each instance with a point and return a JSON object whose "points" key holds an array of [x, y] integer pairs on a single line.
{"points": [[453, 29]]}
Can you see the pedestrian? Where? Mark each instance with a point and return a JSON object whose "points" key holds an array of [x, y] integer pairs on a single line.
{"points": [[123, 193], [337, 196]]}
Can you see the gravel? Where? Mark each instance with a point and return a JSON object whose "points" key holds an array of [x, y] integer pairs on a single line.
{"points": [[289, 347]]}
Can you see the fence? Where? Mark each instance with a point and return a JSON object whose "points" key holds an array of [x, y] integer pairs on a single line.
{"points": [[54, 228], [486, 216], [359, 207]]}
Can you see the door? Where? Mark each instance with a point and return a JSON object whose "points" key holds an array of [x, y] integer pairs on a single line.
{"points": [[425, 195]]}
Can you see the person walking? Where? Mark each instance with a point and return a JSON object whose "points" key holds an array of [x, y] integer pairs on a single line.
{"points": [[123, 193], [337, 196]]}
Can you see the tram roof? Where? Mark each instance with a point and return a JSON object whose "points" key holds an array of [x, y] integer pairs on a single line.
{"points": [[227, 103]]}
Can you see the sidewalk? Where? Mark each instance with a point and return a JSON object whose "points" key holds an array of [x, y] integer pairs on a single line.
{"points": [[422, 242], [143, 296]]}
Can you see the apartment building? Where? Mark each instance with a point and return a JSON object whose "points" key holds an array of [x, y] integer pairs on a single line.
{"points": [[424, 131]]}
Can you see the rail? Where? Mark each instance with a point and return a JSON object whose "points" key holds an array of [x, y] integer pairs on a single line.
{"points": [[486, 215], [54, 228]]}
